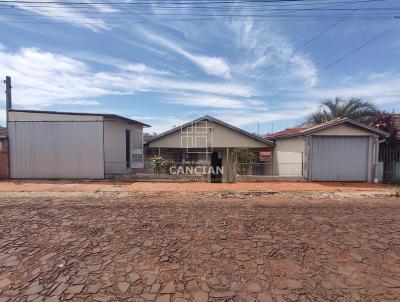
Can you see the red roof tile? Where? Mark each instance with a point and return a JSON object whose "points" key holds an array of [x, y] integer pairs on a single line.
{"points": [[305, 129]]}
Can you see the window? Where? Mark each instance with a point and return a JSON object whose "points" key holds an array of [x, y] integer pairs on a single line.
{"points": [[128, 148], [137, 160]]}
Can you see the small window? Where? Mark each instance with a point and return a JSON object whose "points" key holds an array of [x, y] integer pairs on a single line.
{"points": [[1, 146], [128, 148]]}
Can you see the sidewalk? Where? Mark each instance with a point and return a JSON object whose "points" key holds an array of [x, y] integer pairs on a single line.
{"points": [[87, 186]]}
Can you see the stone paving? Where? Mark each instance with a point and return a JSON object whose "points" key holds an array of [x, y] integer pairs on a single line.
{"points": [[162, 248]]}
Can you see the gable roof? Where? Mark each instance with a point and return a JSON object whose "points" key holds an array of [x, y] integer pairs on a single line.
{"points": [[106, 115], [309, 129], [212, 119]]}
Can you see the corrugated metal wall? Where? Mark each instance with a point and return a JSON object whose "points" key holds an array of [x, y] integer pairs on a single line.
{"points": [[56, 149], [339, 158]]}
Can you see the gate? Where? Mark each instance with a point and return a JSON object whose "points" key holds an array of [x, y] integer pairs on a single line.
{"points": [[389, 165]]}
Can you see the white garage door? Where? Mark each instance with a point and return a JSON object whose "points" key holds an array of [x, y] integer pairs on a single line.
{"points": [[56, 150], [339, 158]]}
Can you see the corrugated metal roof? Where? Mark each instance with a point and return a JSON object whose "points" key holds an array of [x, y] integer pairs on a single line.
{"points": [[107, 115], [308, 129], [213, 119]]}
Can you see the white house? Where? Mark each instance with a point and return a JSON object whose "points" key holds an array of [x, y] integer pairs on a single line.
{"points": [[58, 145]]}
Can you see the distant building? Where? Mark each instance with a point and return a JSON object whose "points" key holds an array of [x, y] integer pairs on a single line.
{"points": [[4, 163]]}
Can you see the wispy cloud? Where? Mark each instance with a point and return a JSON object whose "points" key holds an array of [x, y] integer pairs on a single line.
{"points": [[67, 14], [381, 88], [214, 101], [211, 65], [59, 79], [269, 51]]}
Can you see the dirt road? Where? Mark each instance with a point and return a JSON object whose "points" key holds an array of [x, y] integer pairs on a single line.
{"points": [[124, 246]]}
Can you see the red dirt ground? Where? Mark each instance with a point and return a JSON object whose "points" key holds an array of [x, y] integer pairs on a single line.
{"points": [[199, 246], [86, 186]]}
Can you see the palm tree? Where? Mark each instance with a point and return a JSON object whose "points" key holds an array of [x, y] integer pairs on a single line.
{"points": [[353, 108]]}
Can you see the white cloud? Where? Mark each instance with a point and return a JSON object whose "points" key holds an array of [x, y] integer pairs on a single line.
{"points": [[247, 118], [268, 51], [381, 88], [142, 68], [67, 14], [44, 78], [211, 65], [3, 117], [214, 101]]}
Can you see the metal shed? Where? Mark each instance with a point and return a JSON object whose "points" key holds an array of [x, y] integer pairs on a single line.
{"points": [[68, 145]]}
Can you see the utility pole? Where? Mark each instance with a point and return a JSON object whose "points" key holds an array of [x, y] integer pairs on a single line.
{"points": [[8, 95]]}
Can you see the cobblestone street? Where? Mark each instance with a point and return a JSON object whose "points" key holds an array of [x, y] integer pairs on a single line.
{"points": [[126, 246]]}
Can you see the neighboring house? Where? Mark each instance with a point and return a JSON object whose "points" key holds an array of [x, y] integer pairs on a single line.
{"points": [[397, 124], [4, 164], [58, 145], [206, 139], [338, 150]]}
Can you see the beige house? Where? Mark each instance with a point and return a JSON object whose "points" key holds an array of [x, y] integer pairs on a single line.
{"points": [[203, 141], [58, 145], [339, 150]]}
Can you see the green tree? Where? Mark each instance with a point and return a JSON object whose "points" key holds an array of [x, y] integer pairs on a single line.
{"points": [[353, 108], [386, 122], [244, 156]]}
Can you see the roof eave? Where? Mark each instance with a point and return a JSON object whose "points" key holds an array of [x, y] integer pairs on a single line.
{"points": [[212, 119]]}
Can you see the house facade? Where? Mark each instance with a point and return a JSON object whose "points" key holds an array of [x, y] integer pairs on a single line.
{"points": [[62, 145], [206, 142]]}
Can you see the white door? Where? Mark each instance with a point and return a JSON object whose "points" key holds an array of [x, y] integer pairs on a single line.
{"points": [[137, 149]]}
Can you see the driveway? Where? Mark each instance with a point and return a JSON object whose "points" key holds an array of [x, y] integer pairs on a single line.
{"points": [[125, 246]]}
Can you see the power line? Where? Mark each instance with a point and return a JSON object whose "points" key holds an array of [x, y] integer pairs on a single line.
{"points": [[176, 2], [365, 44], [296, 49]]}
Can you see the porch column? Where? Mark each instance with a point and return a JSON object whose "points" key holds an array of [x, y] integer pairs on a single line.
{"points": [[228, 166]]}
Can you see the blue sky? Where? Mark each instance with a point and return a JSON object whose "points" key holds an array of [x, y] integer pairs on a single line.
{"points": [[144, 62]]}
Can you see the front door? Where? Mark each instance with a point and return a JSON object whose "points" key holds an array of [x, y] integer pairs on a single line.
{"points": [[216, 164]]}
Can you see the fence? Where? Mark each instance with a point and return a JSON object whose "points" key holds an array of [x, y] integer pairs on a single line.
{"points": [[388, 169], [270, 169], [168, 171]]}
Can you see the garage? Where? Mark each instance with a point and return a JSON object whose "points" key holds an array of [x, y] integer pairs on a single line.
{"points": [[339, 158], [337, 150]]}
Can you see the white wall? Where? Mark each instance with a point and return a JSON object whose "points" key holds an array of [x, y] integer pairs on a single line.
{"points": [[115, 145], [56, 149], [288, 156], [343, 130]]}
